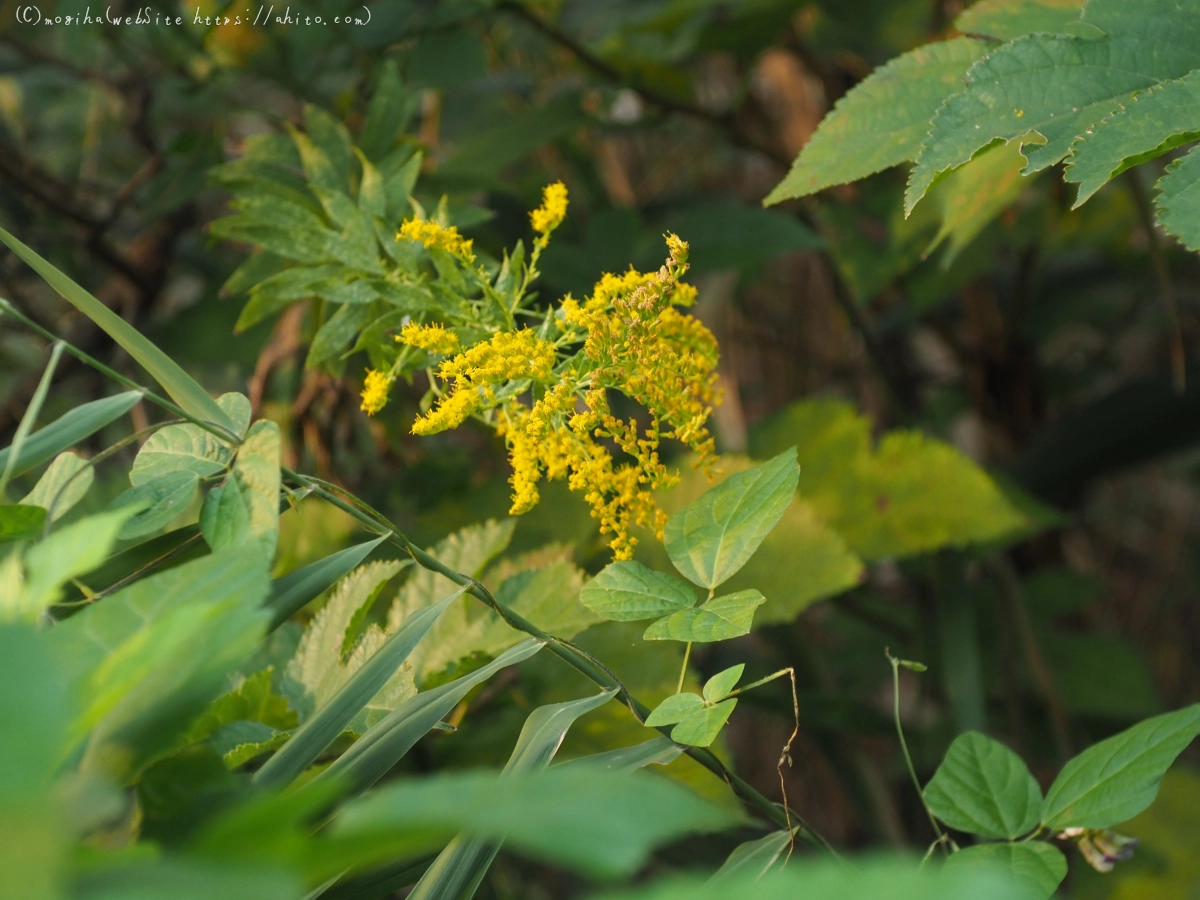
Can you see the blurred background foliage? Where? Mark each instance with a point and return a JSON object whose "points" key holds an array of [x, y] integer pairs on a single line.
{"points": [[1030, 336]]}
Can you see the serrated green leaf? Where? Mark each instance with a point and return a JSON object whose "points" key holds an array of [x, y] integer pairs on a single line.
{"points": [[753, 859], [1047, 90], [1179, 200], [718, 619], [719, 686], [984, 788], [370, 758], [20, 522], [460, 868], [337, 334], [320, 666], [674, 709], [158, 501], [63, 484], [182, 388], [627, 591], [371, 197], [971, 196], [369, 675], [1114, 780], [1036, 866], [885, 118], [1152, 123], [1009, 19], [700, 728], [68, 430], [713, 536]]}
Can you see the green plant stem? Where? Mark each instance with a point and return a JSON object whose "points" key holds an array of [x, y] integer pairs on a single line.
{"points": [[31, 414], [687, 654], [912, 770]]}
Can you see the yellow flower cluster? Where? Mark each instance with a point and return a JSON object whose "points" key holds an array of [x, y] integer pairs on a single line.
{"points": [[553, 210], [375, 392], [431, 234], [639, 344], [507, 356], [433, 338]]}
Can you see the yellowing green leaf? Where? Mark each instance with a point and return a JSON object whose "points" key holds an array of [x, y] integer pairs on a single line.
{"points": [[246, 506], [1009, 19]]}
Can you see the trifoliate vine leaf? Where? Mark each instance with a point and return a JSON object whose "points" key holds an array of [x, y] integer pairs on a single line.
{"points": [[1151, 124], [714, 535], [1047, 90], [190, 447], [700, 728], [628, 591], [719, 686], [718, 619], [674, 709], [1114, 780], [158, 500], [246, 506], [884, 118], [984, 788]]}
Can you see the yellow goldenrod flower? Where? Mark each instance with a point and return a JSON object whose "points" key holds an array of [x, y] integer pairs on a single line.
{"points": [[431, 234], [553, 210], [375, 391], [433, 338]]}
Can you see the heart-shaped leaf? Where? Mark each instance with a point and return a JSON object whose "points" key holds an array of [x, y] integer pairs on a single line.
{"points": [[674, 709], [628, 591], [984, 788], [1034, 865], [717, 620]]}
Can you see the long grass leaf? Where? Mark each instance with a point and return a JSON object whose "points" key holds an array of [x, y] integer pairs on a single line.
{"points": [[67, 431], [383, 746], [183, 389], [333, 718], [294, 591], [27, 420]]}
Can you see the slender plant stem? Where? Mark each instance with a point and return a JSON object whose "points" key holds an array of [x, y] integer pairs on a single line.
{"points": [[31, 414], [912, 770], [687, 654]]}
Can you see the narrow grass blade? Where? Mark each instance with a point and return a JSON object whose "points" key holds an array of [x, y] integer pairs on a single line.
{"points": [[27, 420], [183, 389], [458, 870], [659, 751], [67, 431], [335, 716], [383, 746], [294, 591]]}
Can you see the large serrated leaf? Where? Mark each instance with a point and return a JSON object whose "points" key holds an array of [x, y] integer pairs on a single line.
{"points": [[1154, 122], [885, 118], [627, 591], [182, 388], [356, 691], [1035, 866], [1009, 19], [1047, 90], [984, 788], [1179, 200], [1114, 780], [714, 535]]}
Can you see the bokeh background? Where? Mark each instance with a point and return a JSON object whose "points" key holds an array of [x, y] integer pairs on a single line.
{"points": [[1038, 346]]}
